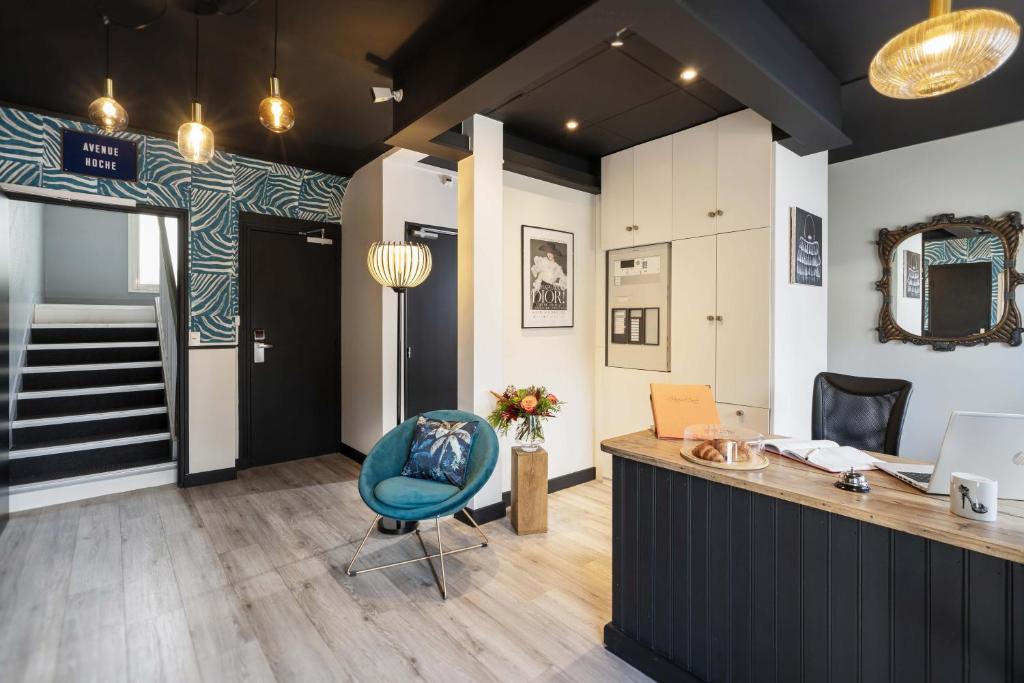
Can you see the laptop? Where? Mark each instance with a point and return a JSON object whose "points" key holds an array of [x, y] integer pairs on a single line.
{"points": [[987, 444]]}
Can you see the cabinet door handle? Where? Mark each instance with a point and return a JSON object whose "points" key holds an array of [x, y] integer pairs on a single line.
{"points": [[719, 212], [711, 214], [740, 413], [718, 318], [629, 228], [636, 227], [711, 318]]}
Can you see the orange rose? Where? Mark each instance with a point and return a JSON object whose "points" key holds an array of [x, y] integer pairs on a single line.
{"points": [[529, 403], [553, 399]]}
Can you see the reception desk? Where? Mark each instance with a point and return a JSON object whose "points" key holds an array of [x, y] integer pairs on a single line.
{"points": [[776, 575]]}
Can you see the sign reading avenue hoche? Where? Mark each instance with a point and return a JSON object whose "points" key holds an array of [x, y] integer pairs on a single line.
{"points": [[99, 155]]}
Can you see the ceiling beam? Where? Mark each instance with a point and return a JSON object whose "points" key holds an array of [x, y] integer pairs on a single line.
{"points": [[543, 163]]}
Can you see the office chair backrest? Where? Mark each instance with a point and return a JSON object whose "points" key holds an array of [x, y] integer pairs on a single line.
{"points": [[863, 412]]}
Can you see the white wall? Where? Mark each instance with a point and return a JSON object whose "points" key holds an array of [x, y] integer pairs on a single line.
{"points": [[561, 359], [800, 312], [25, 251], [362, 358], [972, 174], [212, 409]]}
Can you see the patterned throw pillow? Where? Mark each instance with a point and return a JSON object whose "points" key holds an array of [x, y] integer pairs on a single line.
{"points": [[440, 451]]}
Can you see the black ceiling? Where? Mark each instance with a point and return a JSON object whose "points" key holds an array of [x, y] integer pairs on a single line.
{"points": [[846, 35], [620, 97], [330, 53]]}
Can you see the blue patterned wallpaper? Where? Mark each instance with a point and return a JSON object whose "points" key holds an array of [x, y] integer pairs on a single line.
{"points": [[213, 193]]}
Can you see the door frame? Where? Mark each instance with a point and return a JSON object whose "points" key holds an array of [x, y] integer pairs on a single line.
{"points": [[184, 311], [248, 221]]}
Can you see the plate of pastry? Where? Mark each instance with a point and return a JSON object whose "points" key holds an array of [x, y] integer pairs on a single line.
{"points": [[723, 447]]}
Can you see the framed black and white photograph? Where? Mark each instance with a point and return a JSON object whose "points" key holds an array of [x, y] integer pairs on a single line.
{"points": [[805, 248], [911, 275], [547, 277]]}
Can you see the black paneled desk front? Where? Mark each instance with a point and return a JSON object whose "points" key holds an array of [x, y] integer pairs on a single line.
{"points": [[776, 575]]}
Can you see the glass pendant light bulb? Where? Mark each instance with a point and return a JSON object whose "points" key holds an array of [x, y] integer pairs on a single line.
{"points": [[948, 51], [276, 114], [195, 140], [107, 113]]}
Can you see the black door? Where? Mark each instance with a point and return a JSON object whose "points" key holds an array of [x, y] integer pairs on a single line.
{"points": [[432, 326], [290, 300], [959, 299]]}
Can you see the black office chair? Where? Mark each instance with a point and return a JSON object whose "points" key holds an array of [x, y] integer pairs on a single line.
{"points": [[863, 412]]}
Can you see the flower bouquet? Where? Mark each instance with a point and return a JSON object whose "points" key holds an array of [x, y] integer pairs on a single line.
{"points": [[527, 407]]}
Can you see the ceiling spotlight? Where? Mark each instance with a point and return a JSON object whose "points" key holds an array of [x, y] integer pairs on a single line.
{"points": [[385, 95], [688, 74], [617, 41], [572, 124]]}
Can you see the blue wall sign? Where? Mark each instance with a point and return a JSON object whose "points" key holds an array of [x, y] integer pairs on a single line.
{"points": [[99, 155]]}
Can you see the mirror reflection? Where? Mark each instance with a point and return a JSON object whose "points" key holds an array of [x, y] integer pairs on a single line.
{"points": [[949, 282]]}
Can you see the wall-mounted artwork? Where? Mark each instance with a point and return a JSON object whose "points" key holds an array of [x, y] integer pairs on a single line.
{"points": [[911, 275], [805, 248], [548, 267]]}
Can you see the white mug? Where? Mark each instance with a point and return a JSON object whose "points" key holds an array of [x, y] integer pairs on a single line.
{"points": [[972, 496]]}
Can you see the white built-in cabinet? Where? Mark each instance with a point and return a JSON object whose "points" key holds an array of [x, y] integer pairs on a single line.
{"points": [[636, 207], [708, 190]]}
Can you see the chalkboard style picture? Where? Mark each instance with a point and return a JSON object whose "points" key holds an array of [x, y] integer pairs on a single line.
{"points": [[805, 248], [911, 275], [547, 277]]}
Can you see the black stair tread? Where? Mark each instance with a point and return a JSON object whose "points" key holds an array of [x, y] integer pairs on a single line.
{"points": [[58, 443], [86, 467], [90, 367], [19, 423]]}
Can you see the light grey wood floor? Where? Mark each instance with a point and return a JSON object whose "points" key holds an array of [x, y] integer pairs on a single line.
{"points": [[245, 580]]}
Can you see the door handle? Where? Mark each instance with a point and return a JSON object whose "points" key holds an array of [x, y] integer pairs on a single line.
{"points": [[258, 350], [711, 318], [711, 214], [719, 212], [718, 318]]}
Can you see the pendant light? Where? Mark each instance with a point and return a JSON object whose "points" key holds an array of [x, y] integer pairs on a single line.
{"points": [[276, 114], [195, 140], [105, 111], [946, 52]]}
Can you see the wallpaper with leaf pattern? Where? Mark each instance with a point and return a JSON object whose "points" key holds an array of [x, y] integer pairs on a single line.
{"points": [[213, 193], [966, 250]]}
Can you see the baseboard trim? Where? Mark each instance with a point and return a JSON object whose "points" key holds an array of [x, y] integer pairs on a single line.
{"points": [[561, 482], [57, 491], [209, 477], [352, 453], [643, 658], [488, 513]]}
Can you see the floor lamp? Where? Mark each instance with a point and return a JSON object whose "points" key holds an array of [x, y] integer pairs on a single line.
{"points": [[400, 266]]}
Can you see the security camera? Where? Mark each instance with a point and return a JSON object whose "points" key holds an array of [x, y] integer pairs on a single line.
{"points": [[385, 94]]}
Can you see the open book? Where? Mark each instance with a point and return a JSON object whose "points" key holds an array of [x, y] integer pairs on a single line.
{"points": [[825, 455]]}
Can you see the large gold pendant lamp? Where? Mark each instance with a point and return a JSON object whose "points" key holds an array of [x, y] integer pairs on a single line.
{"points": [[946, 52], [195, 139], [105, 111], [276, 114]]}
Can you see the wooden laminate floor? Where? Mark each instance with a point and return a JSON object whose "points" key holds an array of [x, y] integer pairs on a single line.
{"points": [[245, 580]]}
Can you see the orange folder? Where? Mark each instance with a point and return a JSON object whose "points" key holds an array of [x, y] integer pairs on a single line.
{"points": [[677, 406]]}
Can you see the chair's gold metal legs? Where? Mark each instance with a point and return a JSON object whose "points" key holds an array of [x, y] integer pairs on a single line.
{"points": [[365, 536], [442, 583]]}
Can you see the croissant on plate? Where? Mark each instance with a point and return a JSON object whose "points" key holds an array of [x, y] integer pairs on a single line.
{"points": [[718, 450]]}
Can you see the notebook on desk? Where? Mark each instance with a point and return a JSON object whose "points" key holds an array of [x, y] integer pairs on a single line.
{"points": [[823, 454]]}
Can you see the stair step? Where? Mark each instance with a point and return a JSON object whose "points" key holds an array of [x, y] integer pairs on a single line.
{"points": [[75, 446], [60, 346], [93, 313], [45, 492], [86, 417], [92, 326], [89, 367], [130, 453], [93, 332], [90, 391]]}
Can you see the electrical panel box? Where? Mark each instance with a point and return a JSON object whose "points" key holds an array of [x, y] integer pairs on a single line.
{"points": [[637, 310]]}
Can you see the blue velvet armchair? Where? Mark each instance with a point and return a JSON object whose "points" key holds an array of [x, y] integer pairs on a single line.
{"points": [[389, 494]]}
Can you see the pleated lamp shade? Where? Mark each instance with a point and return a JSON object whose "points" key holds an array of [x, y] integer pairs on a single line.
{"points": [[398, 265]]}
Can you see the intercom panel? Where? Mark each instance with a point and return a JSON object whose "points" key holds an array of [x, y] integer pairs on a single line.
{"points": [[637, 310]]}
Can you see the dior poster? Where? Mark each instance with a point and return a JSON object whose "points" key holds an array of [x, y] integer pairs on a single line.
{"points": [[547, 277]]}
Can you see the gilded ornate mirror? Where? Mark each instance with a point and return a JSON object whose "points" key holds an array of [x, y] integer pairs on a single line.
{"points": [[951, 282]]}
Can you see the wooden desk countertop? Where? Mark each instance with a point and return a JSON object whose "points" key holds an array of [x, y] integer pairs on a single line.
{"points": [[890, 503]]}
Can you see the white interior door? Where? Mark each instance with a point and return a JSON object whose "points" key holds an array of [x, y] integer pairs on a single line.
{"points": [[693, 302], [742, 351], [617, 200], [744, 171], [652, 198], [694, 177]]}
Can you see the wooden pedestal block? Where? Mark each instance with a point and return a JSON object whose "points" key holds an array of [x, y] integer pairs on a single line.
{"points": [[529, 491]]}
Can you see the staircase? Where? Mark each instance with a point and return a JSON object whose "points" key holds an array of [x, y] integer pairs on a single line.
{"points": [[91, 398]]}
